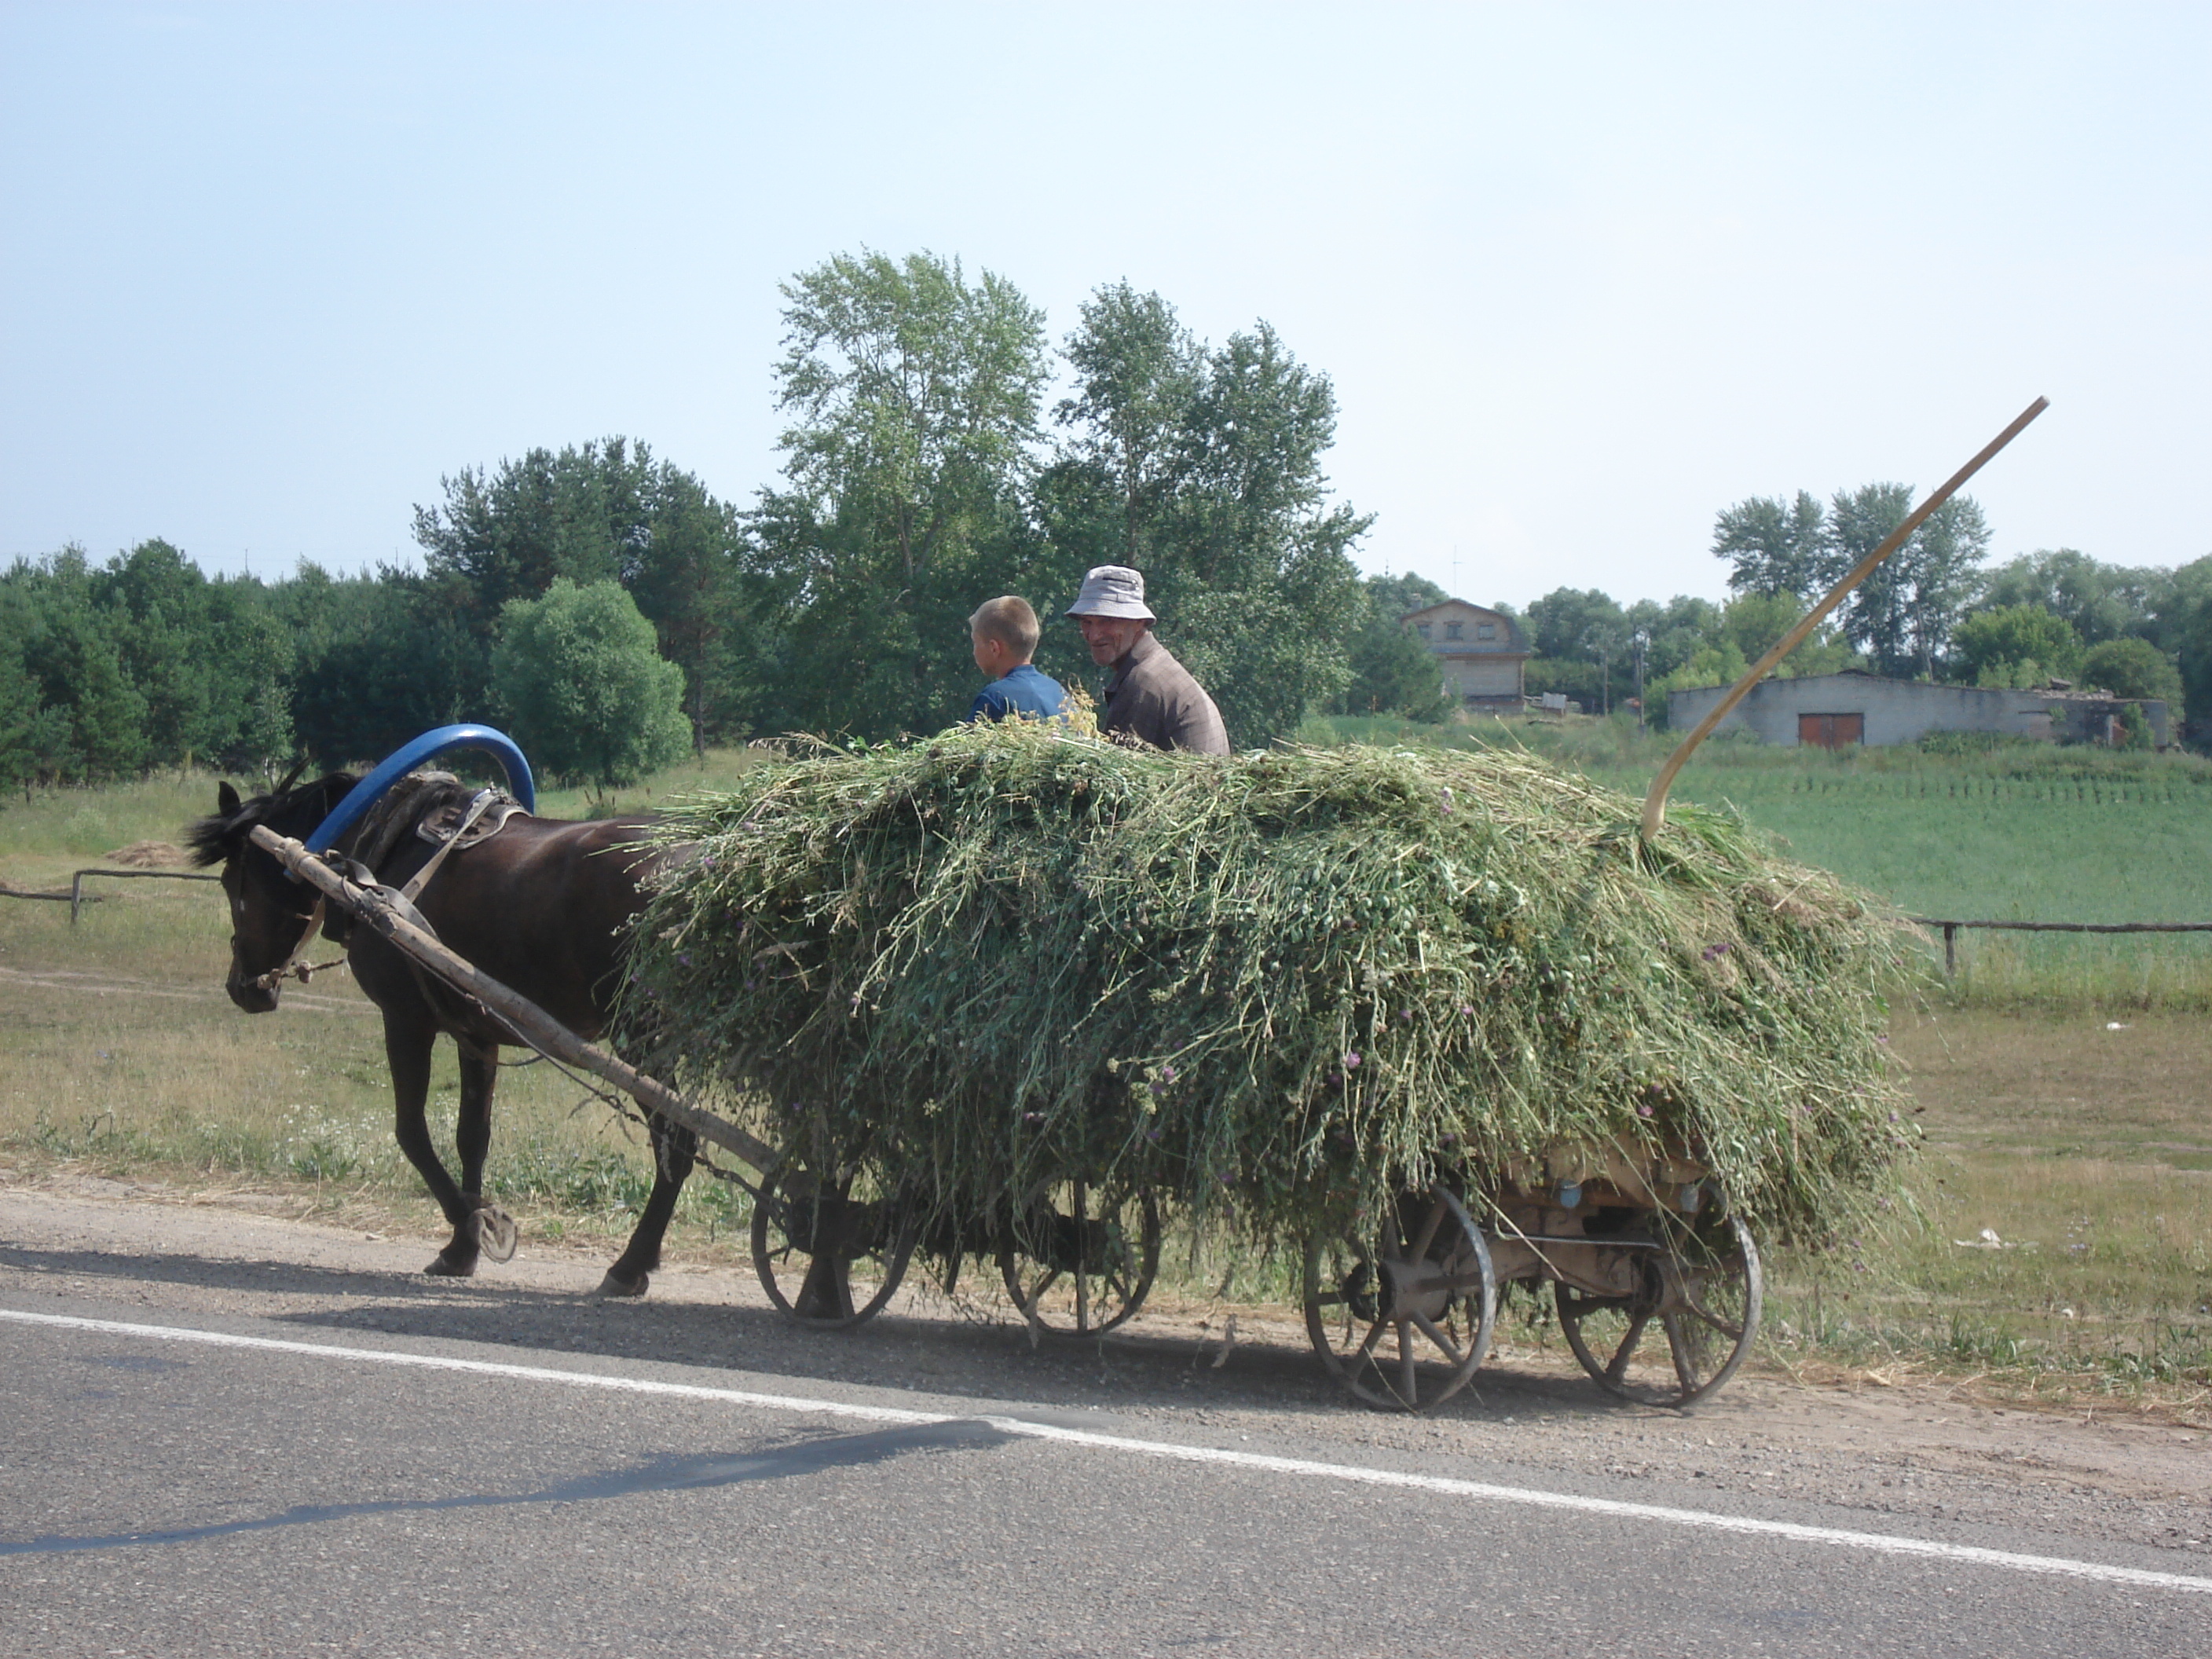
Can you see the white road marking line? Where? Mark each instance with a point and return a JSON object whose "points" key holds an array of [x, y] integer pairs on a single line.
{"points": [[1884, 1543]]}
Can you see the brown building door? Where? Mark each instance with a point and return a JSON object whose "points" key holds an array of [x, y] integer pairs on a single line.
{"points": [[1831, 731]]}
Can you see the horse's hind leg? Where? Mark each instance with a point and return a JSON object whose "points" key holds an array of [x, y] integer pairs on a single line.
{"points": [[675, 1149], [407, 1051]]}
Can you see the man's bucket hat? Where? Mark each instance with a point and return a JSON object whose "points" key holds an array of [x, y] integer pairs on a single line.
{"points": [[1112, 590]]}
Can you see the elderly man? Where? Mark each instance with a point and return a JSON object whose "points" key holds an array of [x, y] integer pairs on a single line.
{"points": [[1151, 697]]}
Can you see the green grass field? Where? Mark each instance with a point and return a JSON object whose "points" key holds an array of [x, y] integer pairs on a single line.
{"points": [[2027, 833], [2087, 1147]]}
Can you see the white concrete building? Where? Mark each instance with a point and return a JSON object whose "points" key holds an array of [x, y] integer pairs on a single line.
{"points": [[1835, 711]]}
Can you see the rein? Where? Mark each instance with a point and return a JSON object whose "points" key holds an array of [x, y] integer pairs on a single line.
{"points": [[292, 967]]}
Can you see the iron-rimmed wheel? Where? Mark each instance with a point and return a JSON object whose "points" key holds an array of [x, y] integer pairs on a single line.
{"points": [[1402, 1314], [1082, 1259], [1701, 1293], [830, 1251]]}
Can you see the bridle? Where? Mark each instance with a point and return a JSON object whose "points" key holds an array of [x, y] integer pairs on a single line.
{"points": [[292, 967]]}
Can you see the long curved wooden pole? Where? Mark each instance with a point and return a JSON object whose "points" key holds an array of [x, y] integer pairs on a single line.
{"points": [[1655, 803]]}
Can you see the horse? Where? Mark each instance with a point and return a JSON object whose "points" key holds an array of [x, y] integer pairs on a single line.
{"points": [[542, 905]]}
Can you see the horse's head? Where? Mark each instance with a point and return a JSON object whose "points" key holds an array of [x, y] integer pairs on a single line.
{"points": [[269, 908]]}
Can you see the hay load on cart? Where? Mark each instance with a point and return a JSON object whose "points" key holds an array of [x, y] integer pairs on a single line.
{"points": [[1398, 1010]]}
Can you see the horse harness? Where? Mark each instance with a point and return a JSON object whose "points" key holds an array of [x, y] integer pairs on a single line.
{"points": [[454, 825]]}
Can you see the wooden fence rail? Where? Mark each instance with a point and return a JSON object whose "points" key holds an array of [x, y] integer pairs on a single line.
{"points": [[1951, 931], [77, 895], [76, 898]]}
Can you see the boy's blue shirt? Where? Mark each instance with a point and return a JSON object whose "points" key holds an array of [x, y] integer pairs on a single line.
{"points": [[1025, 692]]}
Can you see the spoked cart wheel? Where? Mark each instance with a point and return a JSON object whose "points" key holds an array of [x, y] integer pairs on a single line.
{"points": [[830, 1249], [1082, 1258], [1687, 1325], [1403, 1313]]}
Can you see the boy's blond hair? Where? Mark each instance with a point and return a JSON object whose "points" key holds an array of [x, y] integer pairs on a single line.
{"points": [[1009, 620]]}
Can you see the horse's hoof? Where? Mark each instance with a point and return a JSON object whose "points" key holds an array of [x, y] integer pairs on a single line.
{"points": [[495, 1232], [445, 1265], [614, 1285]]}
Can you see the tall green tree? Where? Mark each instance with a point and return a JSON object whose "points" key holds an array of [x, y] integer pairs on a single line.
{"points": [[1941, 562], [1752, 624], [1878, 618], [382, 659], [604, 511], [913, 395], [93, 721], [1139, 376], [1773, 546], [2173, 610], [1672, 632], [1583, 644], [20, 709], [580, 512], [2131, 668], [1206, 463], [684, 576], [212, 660], [2014, 645], [2098, 601], [1902, 615], [587, 689], [79, 669]]}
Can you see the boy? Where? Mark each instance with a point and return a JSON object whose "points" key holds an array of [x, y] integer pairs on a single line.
{"points": [[1004, 634]]}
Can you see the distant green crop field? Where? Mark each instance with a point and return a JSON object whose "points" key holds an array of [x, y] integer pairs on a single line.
{"points": [[1949, 838], [1958, 839], [2028, 833]]}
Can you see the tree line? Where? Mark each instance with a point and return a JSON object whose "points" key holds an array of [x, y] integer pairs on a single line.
{"points": [[610, 608], [922, 472], [1933, 611]]}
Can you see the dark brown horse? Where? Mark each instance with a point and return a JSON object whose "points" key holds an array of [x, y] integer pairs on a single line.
{"points": [[542, 906]]}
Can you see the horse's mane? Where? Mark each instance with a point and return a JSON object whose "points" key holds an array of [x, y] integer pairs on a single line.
{"points": [[405, 803], [213, 839]]}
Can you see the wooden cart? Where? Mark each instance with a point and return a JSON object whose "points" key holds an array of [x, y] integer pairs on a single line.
{"points": [[1655, 1284]]}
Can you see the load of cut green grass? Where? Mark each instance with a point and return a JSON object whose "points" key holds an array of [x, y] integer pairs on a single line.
{"points": [[1275, 986]]}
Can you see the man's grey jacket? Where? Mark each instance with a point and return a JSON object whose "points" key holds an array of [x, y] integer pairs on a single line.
{"points": [[1152, 697]]}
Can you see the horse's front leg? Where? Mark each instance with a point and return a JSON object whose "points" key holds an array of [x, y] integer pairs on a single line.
{"points": [[675, 1149], [488, 1227], [407, 1051]]}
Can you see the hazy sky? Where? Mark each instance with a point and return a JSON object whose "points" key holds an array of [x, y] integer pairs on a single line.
{"points": [[1581, 276]]}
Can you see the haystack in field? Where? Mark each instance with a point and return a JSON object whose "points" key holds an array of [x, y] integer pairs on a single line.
{"points": [[1273, 986], [150, 855]]}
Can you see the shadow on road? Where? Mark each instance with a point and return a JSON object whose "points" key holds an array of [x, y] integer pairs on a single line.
{"points": [[960, 1358], [805, 1455]]}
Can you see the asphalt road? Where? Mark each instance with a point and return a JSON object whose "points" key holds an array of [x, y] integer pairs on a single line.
{"points": [[295, 1490]]}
